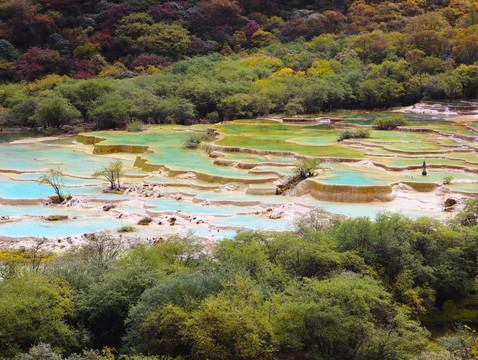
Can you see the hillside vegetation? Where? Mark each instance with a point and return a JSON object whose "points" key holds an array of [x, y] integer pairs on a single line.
{"points": [[109, 63]]}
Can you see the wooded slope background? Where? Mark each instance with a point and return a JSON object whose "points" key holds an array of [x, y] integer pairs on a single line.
{"points": [[109, 63], [83, 39]]}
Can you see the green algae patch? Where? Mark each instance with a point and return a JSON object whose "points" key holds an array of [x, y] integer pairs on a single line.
{"points": [[101, 149], [317, 141], [464, 188], [88, 139], [278, 146], [396, 136], [421, 186]]}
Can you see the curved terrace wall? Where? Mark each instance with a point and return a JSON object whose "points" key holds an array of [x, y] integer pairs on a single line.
{"points": [[344, 193], [441, 133], [431, 166], [102, 149], [144, 165], [219, 148]]}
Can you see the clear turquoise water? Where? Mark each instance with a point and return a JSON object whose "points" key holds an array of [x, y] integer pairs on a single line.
{"points": [[473, 188], [350, 177], [33, 190], [37, 157], [69, 181], [26, 210], [40, 228], [169, 151]]}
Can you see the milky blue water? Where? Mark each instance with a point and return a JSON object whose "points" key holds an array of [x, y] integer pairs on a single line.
{"points": [[40, 228], [68, 181], [349, 177], [36, 157], [33, 190], [26, 210]]}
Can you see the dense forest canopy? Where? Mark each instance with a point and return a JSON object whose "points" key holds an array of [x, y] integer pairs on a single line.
{"points": [[81, 38]]}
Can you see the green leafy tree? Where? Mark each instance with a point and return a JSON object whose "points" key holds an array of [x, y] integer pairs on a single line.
{"points": [[167, 40], [177, 110], [232, 107], [82, 94], [34, 309], [379, 93], [345, 317], [143, 105], [86, 51], [306, 168], [55, 111], [469, 215], [232, 325], [389, 122], [135, 25], [294, 107], [103, 306], [23, 112], [165, 299], [109, 111]]}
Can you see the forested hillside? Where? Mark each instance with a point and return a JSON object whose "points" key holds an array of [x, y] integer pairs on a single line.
{"points": [[83, 39], [222, 59]]}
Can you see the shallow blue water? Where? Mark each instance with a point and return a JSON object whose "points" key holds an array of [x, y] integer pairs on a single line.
{"points": [[68, 181], [40, 228], [37, 157], [33, 190], [349, 177], [26, 210]]}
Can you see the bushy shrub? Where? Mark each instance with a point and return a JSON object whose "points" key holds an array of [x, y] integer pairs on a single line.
{"points": [[305, 168], [469, 215], [193, 141], [389, 123], [145, 221], [353, 134], [135, 126], [56, 217], [124, 229]]}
